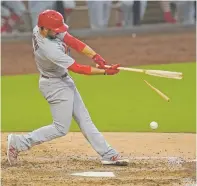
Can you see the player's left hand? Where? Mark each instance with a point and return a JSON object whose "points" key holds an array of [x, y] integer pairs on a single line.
{"points": [[99, 60]]}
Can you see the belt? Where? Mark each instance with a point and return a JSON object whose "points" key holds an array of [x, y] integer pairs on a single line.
{"points": [[46, 77]]}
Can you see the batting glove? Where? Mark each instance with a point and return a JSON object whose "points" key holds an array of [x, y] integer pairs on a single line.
{"points": [[112, 70], [99, 60]]}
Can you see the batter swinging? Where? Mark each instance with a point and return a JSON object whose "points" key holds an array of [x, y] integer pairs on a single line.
{"points": [[50, 38]]}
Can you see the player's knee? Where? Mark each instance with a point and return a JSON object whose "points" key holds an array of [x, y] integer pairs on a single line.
{"points": [[61, 128]]}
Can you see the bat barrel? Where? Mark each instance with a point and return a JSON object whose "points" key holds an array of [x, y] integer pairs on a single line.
{"points": [[166, 74]]}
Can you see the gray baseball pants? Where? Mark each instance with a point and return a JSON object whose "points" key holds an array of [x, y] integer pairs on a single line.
{"points": [[65, 102]]}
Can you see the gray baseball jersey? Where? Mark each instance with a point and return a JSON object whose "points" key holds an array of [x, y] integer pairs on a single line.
{"points": [[63, 97], [50, 56]]}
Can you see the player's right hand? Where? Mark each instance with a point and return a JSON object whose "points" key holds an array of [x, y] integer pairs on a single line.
{"points": [[112, 70]]}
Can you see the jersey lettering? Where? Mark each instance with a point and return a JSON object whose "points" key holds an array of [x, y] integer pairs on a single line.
{"points": [[35, 43]]}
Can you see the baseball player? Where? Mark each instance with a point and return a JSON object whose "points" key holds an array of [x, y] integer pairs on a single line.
{"points": [[126, 8], [35, 7], [125, 14], [12, 15], [50, 38], [185, 12], [99, 13]]}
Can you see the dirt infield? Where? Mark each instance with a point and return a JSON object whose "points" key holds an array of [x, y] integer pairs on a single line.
{"points": [[151, 154], [52, 163]]}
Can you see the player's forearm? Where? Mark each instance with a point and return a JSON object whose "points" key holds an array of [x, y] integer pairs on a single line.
{"points": [[97, 71], [85, 69], [88, 51], [78, 45]]}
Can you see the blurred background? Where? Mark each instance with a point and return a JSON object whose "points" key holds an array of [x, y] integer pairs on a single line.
{"points": [[21, 16], [147, 34]]}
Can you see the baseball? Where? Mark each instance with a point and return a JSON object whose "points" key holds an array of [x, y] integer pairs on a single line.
{"points": [[133, 35], [153, 125]]}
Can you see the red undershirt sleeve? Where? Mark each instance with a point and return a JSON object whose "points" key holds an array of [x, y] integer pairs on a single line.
{"points": [[78, 45], [80, 69], [74, 42]]}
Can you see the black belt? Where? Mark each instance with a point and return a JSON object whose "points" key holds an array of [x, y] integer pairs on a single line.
{"points": [[63, 76]]}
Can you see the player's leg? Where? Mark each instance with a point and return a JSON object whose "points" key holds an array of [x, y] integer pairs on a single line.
{"points": [[83, 119], [127, 11], [18, 14], [92, 13], [69, 6], [119, 15], [189, 10], [143, 6], [180, 11], [5, 12], [17, 7], [60, 99], [130, 15], [35, 7], [95, 138], [106, 12], [166, 8], [99, 11], [5, 15]]}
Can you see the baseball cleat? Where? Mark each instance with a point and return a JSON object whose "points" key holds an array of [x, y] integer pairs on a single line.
{"points": [[12, 152], [115, 160]]}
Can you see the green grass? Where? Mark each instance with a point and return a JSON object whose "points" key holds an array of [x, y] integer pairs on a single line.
{"points": [[116, 103]]}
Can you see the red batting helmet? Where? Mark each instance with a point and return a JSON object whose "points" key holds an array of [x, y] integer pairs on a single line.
{"points": [[52, 20]]}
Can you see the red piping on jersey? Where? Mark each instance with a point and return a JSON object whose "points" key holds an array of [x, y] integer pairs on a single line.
{"points": [[74, 42], [80, 69]]}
